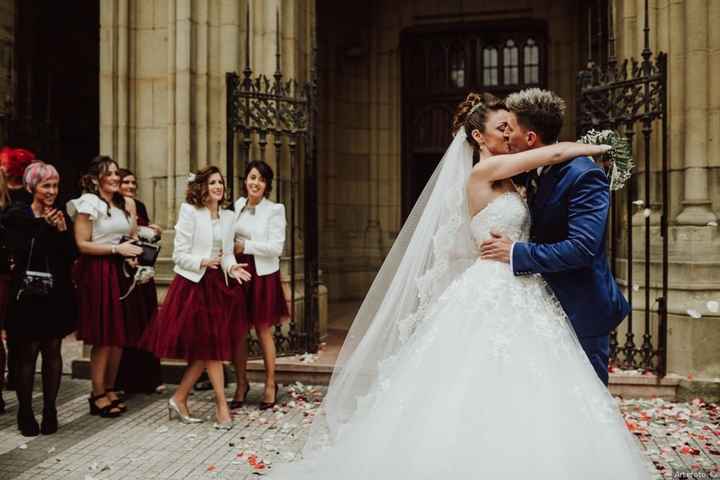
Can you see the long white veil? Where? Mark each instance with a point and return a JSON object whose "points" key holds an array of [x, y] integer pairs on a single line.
{"points": [[432, 249]]}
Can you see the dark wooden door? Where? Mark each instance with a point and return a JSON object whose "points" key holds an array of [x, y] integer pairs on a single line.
{"points": [[441, 66], [57, 103]]}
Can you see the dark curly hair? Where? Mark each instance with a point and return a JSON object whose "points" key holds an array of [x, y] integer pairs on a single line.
{"points": [[197, 190], [472, 113], [90, 182], [266, 172]]}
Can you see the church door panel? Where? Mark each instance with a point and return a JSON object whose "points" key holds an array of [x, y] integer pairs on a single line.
{"points": [[441, 66]]}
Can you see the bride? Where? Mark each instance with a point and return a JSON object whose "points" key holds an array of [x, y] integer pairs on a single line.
{"points": [[456, 368]]}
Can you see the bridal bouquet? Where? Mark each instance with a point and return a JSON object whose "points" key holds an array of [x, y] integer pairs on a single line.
{"points": [[619, 158]]}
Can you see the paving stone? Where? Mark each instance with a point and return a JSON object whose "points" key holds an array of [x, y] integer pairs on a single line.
{"points": [[144, 445]]}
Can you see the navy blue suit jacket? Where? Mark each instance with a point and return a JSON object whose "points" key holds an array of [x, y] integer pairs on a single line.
{"points": [[567, 245]]}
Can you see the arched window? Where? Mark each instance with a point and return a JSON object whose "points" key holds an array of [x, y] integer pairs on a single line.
{"points": [[531, 62], [490, 66], [457, 66], [510, 63]]}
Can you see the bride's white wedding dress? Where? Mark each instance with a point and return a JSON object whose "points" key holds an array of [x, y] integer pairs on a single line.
{"points": [[492, 384]]}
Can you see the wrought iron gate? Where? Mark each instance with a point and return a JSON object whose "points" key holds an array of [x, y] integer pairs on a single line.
{"points": [[282, 113], [631, 97]]}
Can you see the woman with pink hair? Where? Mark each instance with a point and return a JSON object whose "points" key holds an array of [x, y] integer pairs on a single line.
{"points": [[41, 310]]}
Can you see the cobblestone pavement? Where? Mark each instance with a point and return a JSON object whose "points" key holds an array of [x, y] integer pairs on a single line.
{"points": [[143, 444]]}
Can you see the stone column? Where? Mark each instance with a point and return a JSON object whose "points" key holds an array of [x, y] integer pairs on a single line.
{"points": [[372, 229], [182, 98], [696, 200], [114, 80]]}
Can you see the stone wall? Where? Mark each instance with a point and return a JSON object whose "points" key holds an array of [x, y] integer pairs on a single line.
{"points": [[684, 30], [162, 82], [361, 117]]}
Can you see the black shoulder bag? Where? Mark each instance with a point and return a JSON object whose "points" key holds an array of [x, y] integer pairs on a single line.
{"points": [[35, 283]]}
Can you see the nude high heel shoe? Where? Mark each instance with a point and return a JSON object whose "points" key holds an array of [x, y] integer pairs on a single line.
{"points": [[173, 409]]}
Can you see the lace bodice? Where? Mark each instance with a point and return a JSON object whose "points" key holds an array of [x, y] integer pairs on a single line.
{"points": [[507, 214]]}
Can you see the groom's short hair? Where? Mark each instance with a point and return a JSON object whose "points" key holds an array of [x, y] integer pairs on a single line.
{"points": [[541, 111]]}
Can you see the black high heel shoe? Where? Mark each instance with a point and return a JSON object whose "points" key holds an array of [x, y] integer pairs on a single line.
{"points": [[2, 402], [49, 423], [108, 411], [119, 403], [27, 424], [269, 405], [235, 404]]}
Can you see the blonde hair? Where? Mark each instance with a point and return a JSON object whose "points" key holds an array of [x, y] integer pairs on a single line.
{"points": [[541, 111]]}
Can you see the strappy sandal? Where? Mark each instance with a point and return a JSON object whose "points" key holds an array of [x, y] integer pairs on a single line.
{"points": [[108, 411], [120, 401]]}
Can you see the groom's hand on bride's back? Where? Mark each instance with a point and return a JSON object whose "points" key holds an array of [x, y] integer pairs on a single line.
{"points": [[497, 247]]}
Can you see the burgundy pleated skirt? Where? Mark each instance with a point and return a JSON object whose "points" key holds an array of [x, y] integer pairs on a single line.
{"points": [[103, 318], [265, 298], [198, 321]]}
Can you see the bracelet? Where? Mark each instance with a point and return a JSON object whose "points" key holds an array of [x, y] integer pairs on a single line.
{"points": [[113, 249]]}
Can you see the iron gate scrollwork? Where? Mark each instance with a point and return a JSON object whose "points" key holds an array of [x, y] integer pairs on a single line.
{"points": [[631, 97], [280, 115]]}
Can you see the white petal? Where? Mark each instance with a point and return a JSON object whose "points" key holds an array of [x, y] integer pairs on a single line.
{"points": [[712, 223], [636, 287], [639, 203], [694, 313], [23, 446], [713, 306]]}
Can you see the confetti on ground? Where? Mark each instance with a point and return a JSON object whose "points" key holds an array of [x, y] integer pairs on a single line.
{"points": [[694, 313], [713, 306], [677, 437], [639, 203]]}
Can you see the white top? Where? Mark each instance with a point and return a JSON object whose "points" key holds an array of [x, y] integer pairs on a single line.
{"points": [[217, 244], [106, 228], [263, 232]]}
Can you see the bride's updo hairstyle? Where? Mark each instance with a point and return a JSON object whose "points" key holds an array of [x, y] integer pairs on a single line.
{"points": [[472, 113]]}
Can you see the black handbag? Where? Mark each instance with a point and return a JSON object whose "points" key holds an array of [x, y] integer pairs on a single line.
{"points": [[33, 282], [150, 251]]}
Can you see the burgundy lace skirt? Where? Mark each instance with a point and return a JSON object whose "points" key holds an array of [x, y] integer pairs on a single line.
{"points": [[103, 318], [198, 321], [265, 298]]}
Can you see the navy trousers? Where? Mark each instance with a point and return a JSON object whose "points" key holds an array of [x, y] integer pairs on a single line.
{"points": [[598, 351]]}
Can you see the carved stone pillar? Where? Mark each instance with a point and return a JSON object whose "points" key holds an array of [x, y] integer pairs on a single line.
{"points": [[696, 200]]}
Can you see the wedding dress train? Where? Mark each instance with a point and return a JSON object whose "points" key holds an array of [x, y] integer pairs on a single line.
{"points": [[492, 384]]}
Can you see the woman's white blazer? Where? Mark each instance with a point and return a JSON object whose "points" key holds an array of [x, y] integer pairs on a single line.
{"points": [[194, 241], [266, 244]]}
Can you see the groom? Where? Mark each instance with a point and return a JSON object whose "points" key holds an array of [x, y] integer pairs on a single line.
{"points": [[569, 205]]}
